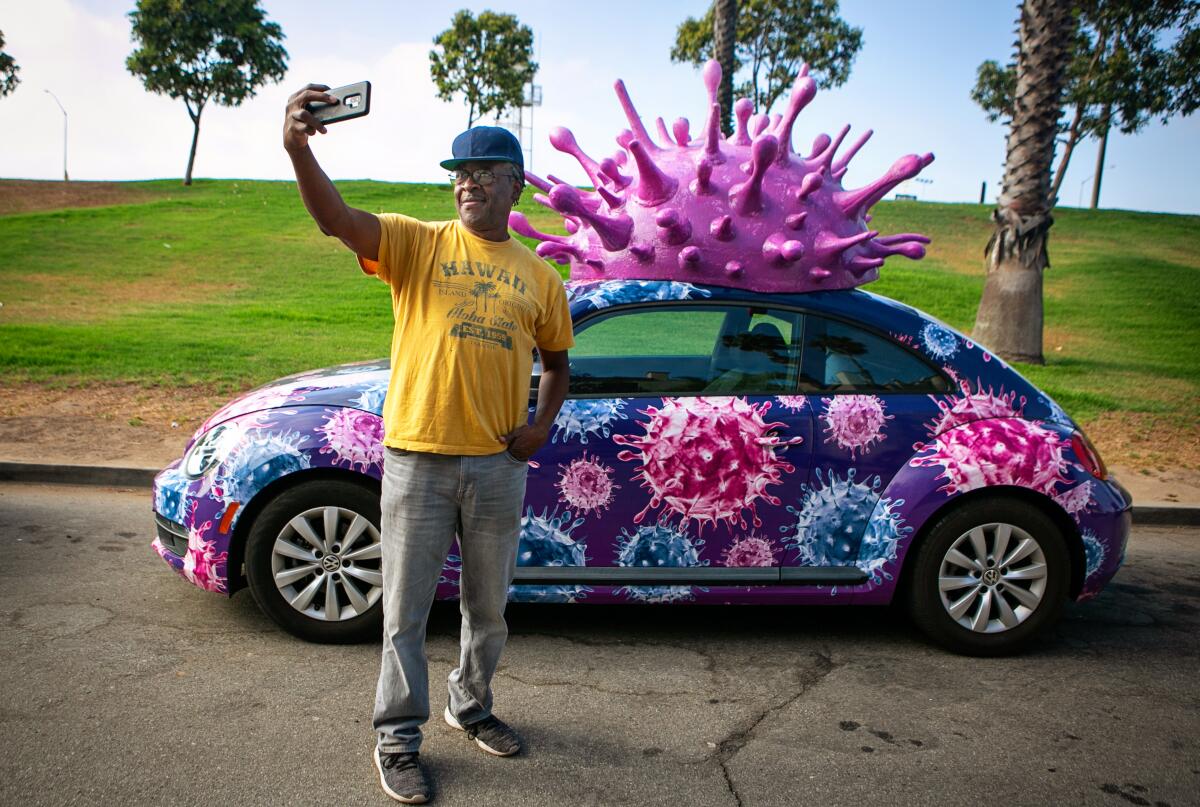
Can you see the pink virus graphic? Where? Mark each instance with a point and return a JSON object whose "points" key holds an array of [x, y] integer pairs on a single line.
{"points": [[353, 437], [202, 564], [854, 422], [1076, 500], [586, 484], [793, 403], [707, 459], [742, 211], [981, 440], [750, 551]]}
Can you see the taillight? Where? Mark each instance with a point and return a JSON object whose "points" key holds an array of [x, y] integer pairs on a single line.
{"points": [[1088, 455]]}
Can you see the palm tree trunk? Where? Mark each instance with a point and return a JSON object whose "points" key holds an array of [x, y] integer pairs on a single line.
{"points": [[1105, 124], [1009, 320], [725, 15]]}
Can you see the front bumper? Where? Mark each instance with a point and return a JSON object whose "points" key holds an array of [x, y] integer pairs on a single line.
{"points": [[194, 528]]}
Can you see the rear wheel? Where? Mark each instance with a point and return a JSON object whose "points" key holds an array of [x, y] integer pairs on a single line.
{"points": [[989, 577], [313, 561]]}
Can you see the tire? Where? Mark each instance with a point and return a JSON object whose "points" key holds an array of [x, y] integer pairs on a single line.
{"points": [[950, 588], [299, 566]]}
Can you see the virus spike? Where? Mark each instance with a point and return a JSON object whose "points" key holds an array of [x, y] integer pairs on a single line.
{"points": [[839, 165], [779, 250], [653, 186], [734, 268], [910, 245], [860, 265], [611, 199], [811, 183], [819, 273], [621, 157], [803, 91], [796, 220], [631, 115], [558, 252], [820, 143], [520, 225], [741, 110], [571, 225], [853, 202], [564, 140], [759, 124], [830, 246], [642, 252], [722, 228], [614, 231], [701, 185], [612, 171], [826, 157], [711, 74], [663, 134], [673, 228], [746, 198], [682, 130], [712, 135], [689, 258], [537, 182], [898, 237]]}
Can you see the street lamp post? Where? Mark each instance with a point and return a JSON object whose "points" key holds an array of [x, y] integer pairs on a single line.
{"points": [[64, 111]]}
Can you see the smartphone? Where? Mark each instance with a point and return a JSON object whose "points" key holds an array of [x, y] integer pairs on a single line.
{"points": [[354, 101]]}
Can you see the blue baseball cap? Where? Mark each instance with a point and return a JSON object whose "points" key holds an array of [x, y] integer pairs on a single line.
{"points": [[485, 143]]}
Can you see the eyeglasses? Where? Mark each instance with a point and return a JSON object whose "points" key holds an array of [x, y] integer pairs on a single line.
{"points": [[482, 176]]}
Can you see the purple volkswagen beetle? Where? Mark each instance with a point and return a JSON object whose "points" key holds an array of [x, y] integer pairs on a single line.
{"points": [[718, 445]]}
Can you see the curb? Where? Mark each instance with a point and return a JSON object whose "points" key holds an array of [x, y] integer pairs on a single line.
{"points": [[1171, 515]]}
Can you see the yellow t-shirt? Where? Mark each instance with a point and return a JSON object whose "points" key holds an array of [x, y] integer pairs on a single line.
{"points": [[468, 312]]}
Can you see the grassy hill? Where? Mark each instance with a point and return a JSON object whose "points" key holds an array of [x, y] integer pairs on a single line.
{"points": [[228, 283]]}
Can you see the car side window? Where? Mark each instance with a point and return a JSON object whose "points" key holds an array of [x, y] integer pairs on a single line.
{"points": [[687, 350], [840, 357]]}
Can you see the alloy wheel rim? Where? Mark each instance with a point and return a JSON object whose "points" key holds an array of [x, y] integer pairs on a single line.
{"points": [[992, 578], [326, 563]]}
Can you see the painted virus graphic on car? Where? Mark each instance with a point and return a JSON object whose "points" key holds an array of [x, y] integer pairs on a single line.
{"points": [[753, 550], [1076, 500], [854, 422], [353, 437], [658, 546], [371, 398], [169, 498], [1093, 552], [793, 403], [546, 541], [258, 459], [586, 484], [581, 418], [841, 522], [743, 211], [980, 439], [615, 292], [202, 564], [707, 459], [939, 342]]}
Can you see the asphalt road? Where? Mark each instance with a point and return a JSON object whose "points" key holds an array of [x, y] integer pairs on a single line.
{"points": [[123, 684]]}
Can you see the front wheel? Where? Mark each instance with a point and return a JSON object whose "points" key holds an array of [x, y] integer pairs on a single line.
{"points": [[989, 577], [313, 560]]}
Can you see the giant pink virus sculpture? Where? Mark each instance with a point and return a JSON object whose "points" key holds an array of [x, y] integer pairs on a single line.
{"points": [[708, 459], [743, 211]]}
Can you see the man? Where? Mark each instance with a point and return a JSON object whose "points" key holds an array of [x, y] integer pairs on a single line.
{"points": [[469, 304]]}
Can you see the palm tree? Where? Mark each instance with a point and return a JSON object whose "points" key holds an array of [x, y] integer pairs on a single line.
{"points": [[725, 14], [484, 289], [1009, 320]]}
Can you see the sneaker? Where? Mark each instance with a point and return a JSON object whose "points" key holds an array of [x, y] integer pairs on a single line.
{"points": [[491, 734], [402, 777]]}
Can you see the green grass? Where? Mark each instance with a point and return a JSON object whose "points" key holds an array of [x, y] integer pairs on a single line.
{"points": [[228, 284]]}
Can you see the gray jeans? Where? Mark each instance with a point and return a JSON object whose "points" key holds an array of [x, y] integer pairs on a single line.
{"points": [[427, 498]]}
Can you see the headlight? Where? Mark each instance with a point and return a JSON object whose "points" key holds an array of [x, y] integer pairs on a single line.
{"points": [[207, 452]]}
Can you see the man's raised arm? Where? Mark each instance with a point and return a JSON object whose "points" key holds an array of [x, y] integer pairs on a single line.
{"points": [[357, 229]]}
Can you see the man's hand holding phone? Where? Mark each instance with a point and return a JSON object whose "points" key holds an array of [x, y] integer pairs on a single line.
{"points": [[300, 123]]}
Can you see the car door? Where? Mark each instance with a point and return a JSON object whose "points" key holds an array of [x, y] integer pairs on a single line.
{"points": [[872, 397], [674, 458]]}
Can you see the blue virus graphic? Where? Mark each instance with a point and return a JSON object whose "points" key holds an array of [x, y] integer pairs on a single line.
{"points": [[616, 292], [1093, 552], [546, 541], [658, 546], [939, 341], [259, 459], [371, 397], [169, 498], [586, 417], [451, 572], [842, 522]]}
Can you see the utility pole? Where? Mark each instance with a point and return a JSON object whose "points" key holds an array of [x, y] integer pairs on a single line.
{"points": [[64, 111]]}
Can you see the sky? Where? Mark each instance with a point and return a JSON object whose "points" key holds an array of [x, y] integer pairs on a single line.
{"points": [[910, 83]]}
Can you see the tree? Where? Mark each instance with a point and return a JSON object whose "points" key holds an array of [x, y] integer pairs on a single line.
{"points": [[725, 16], [488, 59], [205, 50], [1122, 72], [1009, 320], [774, 38], [8, 71]]}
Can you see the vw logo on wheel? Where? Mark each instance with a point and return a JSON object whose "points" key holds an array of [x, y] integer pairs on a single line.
{"points": [[331, 563], [991, 577]]}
